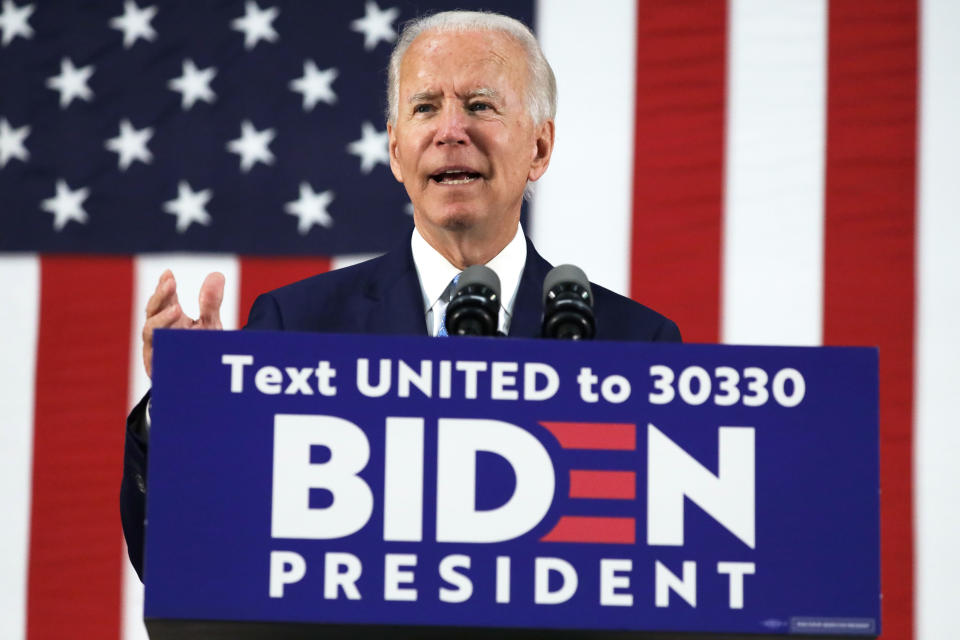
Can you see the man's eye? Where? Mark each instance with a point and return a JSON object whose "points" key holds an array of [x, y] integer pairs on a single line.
{"points": [[423, 108], [480, 106]]}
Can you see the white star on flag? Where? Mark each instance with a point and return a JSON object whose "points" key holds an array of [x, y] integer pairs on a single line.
{"points": [[376, 25], [189, 206], [131, 145], [11, 142], [371, 147], [13, 21], [135, 23], [310, 208], [67, 205], [256, 25], [71, 83], [194, 84], [252, 146], [314, 84]]}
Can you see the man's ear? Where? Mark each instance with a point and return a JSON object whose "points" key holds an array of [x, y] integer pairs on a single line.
{"points": [[394, 153], [542, 150]]}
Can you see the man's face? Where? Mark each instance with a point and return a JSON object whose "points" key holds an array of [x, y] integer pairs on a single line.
{"points": [[464, 144]]}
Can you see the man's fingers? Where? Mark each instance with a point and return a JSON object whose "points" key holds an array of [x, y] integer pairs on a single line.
{"points": [[211, 297], [163, 295]]}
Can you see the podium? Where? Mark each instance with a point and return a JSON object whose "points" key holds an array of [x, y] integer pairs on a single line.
{"points": [[308, 485]]}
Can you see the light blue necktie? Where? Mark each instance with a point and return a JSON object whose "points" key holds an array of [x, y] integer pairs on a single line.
{"points": [[448, 294]]}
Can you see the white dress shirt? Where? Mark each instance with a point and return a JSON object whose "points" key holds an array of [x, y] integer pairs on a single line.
{"points": [[435, 274]]}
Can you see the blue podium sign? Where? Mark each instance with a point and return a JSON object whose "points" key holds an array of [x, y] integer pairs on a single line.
{"points": [[513, 484]]}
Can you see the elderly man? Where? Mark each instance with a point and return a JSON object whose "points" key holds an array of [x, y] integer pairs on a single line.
{"points": [[471, 122]]}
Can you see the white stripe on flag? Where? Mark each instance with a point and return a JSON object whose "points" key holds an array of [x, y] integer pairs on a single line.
{"points": [[189, 271], [936, 436], [582, 209], [19, 323], [348, 260], [132, 622], [773, 218]]}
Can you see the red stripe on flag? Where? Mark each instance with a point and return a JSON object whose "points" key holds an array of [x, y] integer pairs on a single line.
{"points": [[678, 164], [869, 246], [612, 485], [259, 275], [594, 435], [593, 529], [83, 351]]}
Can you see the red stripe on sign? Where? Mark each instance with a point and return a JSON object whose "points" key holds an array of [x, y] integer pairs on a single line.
{"points": [[593, 529], [869, 246], [259, 275], [678, 163], [83, 351], [612, 485], [594, 435]]}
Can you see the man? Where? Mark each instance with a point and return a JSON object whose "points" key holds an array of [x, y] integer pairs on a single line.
{"points": [[472, 102]]}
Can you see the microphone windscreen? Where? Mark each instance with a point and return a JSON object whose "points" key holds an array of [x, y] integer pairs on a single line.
{"points": [[479, 275], [567, 274]]}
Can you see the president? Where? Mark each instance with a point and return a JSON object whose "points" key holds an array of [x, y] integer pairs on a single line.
{"points": [[472, 102]]}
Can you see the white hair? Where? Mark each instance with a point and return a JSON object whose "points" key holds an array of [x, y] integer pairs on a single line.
{"points": [[541, 83]]}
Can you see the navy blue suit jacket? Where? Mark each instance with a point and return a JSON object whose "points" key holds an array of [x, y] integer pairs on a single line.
{"points": [[380, 296]]}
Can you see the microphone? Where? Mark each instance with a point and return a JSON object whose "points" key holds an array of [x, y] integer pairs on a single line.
{"points": [[474, 309], [568, 304]]}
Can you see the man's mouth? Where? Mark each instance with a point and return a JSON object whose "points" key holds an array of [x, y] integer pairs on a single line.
{"points": [[454, 176]]}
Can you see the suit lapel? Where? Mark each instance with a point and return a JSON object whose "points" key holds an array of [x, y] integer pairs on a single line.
{"points": [[394, 299]]}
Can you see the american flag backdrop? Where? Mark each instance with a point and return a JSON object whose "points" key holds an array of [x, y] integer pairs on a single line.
{"points": [[761, 171]]}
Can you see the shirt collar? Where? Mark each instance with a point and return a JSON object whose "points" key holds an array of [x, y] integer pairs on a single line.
{"points": [[508, 265], [436, 272]]}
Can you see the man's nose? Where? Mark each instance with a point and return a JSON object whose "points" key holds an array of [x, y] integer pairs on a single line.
{"points": [[452, 125]]}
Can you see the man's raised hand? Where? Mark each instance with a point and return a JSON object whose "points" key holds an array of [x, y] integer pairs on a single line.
{"points": [[164, 311]]}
